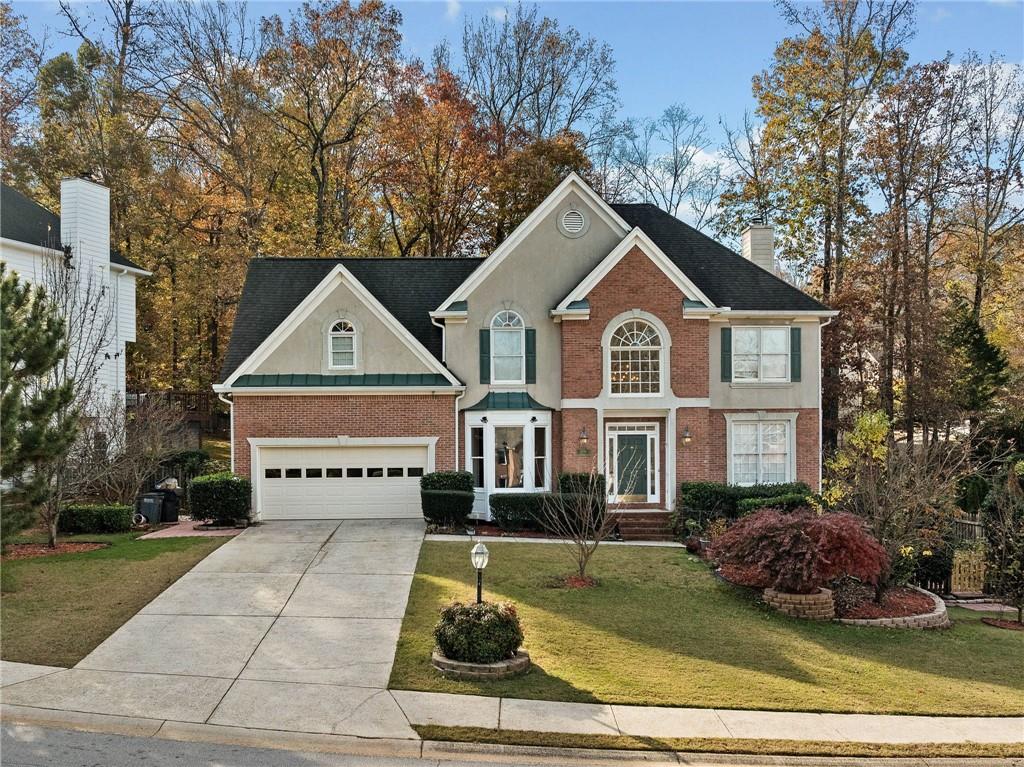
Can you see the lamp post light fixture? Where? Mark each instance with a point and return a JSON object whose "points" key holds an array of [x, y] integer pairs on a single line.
{"points": [[479, 556]]}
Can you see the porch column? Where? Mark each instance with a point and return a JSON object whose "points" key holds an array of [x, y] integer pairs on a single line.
{"points": [[670, 459]]}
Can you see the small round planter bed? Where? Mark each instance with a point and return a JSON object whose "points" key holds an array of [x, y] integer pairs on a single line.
{"points": [[456, 669], [935, 619], [817, 605]]}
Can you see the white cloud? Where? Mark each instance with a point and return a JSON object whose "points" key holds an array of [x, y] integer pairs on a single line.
{"points": [[498, 13], [452, 9]]}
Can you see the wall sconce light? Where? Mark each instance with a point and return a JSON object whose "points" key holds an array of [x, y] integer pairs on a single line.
{"points": [[584, 448], [483, 420], [687, 437]]}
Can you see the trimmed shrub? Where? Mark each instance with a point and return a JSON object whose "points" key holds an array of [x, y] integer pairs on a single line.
{"points": [[802, 551], [582, 483], [518, 511], [224, 498], [447, 480], [704, 501], [787, 502], [96, 518], [447, 508], [484, 633]]}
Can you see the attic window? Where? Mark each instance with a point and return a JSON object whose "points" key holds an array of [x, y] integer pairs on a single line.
{"points": [[572, 223]]}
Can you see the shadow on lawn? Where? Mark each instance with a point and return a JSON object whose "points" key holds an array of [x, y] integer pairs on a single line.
{"points": [[674, 606]]}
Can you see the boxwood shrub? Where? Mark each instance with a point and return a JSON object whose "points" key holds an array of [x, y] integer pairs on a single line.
{"points": [[448, 508], [484, 633], [518, 511], [786, 502], [447, 480], [96, 518], [715, 499], [581, 482], [224, 498]]}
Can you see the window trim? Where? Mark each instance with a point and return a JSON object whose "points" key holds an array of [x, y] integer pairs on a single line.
{"points": [[663, 356], [488, 420], [762, 416], [760, 355], [521, 331], [332, 334]]}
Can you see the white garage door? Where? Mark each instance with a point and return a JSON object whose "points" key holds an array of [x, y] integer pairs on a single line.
{"points": [[341, 482]]}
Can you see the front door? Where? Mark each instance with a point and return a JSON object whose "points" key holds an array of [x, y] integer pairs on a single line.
{"points": [[631, 467]]}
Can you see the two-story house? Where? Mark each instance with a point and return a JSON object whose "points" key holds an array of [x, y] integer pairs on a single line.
{"points": [[34, 241], [602, 336]]}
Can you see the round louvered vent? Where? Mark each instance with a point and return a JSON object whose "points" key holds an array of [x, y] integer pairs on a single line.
{"points": [[573, 222]]}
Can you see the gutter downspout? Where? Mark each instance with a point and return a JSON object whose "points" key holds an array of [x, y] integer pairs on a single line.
{"points": [[231, 432], [821, 425], [444, 359]]}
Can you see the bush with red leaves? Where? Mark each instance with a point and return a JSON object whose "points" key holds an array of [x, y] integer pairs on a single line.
{"points": [[799, 552]]}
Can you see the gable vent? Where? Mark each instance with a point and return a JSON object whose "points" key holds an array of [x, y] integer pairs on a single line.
{"points": [[573, 221]]}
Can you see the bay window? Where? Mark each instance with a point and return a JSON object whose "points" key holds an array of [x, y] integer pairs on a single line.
{"points": [[507, 452]]}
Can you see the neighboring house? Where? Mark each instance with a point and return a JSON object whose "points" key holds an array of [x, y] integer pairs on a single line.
{"points": [[602, 335], [30, 236]]}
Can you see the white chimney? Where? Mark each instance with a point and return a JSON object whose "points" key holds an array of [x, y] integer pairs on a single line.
{"points": [[85, 220], [758, 245]]}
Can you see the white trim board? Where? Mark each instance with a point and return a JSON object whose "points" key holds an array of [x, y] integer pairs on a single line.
{"points": [[339, 274], [256, 391], [635, 238], [571, 183]]}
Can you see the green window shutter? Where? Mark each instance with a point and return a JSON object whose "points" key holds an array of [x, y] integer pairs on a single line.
{"points": [[485, 356], [726, 354], [794, 354], [531, 355]]}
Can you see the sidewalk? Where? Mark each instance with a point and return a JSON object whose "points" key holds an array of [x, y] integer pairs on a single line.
{"points": [[427, 708]]}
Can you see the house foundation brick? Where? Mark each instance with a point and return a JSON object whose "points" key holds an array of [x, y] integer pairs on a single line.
{"points": [[311, 415]]}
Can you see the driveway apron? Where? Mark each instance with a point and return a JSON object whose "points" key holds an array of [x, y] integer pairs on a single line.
{"points": [[290, 626]]}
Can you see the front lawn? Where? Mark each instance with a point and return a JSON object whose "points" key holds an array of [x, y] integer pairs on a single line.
{"points": [[661, 630], [60, 607]]}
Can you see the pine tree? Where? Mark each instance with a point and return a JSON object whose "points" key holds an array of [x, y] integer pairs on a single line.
{"points": [[37, 425], [980, 368]]}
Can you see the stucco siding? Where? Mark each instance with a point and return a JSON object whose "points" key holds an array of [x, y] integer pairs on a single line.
{"points": [[378, 348], [532, 280]]}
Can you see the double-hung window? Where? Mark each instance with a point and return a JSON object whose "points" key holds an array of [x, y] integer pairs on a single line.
{"points": [[760, 354], [508, 349], [760, 452], [342, 346]]}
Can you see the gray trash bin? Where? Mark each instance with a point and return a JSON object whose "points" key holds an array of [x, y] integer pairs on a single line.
{"points": [[151, 506]]}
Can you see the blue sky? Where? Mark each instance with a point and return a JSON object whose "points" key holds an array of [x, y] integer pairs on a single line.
{"points": [[702, 54]]}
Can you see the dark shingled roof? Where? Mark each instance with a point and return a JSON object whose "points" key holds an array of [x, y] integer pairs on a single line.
{"points": [[25, 220], [409, 288], [726, 277]]}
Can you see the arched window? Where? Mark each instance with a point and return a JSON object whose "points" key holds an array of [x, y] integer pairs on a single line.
{"points": [[341, 345], [635, 359], [508, 353]]}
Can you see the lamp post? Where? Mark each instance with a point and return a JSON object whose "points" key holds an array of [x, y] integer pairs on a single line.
{"points": [[479, 556]]}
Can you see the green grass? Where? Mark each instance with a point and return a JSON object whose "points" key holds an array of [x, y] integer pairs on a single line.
{"points": [[661, 630], [56, 609], [718, 745], [218, 449]]}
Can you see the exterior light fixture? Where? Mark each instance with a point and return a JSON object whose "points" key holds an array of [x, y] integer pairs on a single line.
{"points": [[584, 448], [687, 437], [479, 556]]}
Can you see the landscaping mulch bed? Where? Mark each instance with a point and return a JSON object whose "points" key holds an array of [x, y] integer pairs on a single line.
{"points": [[739, 575], [899, 602], [33, 550], [1000, 623]]}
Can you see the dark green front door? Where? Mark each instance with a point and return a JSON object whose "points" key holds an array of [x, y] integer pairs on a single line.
{"points": [[631, 467]]}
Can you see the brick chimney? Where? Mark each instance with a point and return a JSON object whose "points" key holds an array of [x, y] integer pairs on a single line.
{"points": [[758, 244], [85, 220]]}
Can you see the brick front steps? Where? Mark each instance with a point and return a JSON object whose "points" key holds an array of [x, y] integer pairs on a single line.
{"points": [[647, 525]]}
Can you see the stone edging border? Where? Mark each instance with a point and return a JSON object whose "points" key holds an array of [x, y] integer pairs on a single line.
{"points": [[936, 619], [456, 669]]}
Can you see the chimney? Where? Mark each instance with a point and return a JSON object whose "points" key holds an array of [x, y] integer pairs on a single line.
{"points": [[85, 221], [758, 244]]}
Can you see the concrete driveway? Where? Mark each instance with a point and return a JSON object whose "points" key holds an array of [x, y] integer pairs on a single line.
{"points": [[290, 626]]}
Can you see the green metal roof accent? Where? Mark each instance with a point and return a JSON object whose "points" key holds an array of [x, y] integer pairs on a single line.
{"points": [[457, 306], [581, 305], [286, 380], [689, 303], [508, 400]]}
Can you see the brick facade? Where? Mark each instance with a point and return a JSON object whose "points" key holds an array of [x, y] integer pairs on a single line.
{"points": [[634, 283], [313, 415]]}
